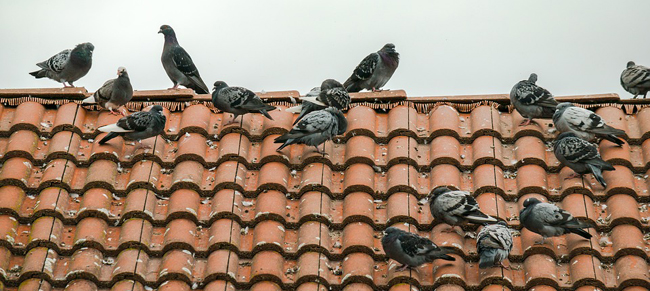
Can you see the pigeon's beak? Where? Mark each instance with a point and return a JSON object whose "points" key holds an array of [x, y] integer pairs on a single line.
{"points": [[160, 31]]}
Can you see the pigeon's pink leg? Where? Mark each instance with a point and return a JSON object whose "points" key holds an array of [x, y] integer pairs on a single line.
{"points": [[67, 86], [173, 88], [574, 175], [526, 121], [402, 268]]}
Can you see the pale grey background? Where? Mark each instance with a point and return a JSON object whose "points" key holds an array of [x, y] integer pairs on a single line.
{"points": [[446, 47]]}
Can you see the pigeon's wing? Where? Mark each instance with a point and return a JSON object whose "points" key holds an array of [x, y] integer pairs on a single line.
{"points": [[583, 119], [414, 245], [316, 121], [530, 94], [457, 202], [336, 97], [577, 150], [183, 61], [57, 62], [365, 69], [103, 94], [636, 76], [138, 121], [552, 215], [494, 236]]}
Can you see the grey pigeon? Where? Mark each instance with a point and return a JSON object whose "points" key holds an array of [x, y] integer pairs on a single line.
{"points": [[456, 207], [532, 101], [584, 123], [412, 250], [636, 79], [581, 156], [494, 243], [68, 65], [114, 93], [374, 71], [238, 101], [315, 128], [137, 126], [331, 93], [549, 220], [179, 65]]}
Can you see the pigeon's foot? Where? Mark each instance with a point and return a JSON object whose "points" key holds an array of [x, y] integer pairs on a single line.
{"points": [[526, 121], [540, 242], [402, 268], [572, 176], [504, 266], [67, 86]]}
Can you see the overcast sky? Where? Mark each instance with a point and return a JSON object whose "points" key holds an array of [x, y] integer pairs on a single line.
{"points": [[447, 47]]}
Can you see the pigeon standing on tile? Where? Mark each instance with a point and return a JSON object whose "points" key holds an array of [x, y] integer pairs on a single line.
{"points": [[412, 250], [137, 126], [584, 123], [238, 101], [68, 65], [549, 220], [315, 128], [114, 93], [636, 79], [179, 65], [374, 71], [494, 243], [331, 93], [456, 207], [581, 156], [532, 101]]}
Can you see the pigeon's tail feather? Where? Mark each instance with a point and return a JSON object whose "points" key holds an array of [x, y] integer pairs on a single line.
{"points": [[441, 253], [39, 74], [610, 137], [580, 232], [598, 174], [109, 136], [89, 100], [478, 217], [313, 100], [295, 109], [112, 128], [284, 139], [263, 111], [352, 87], [198, 86]]}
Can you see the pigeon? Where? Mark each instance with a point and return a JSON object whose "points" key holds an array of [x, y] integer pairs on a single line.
{"points": [[238, 101], [581, 156], [374, 71], [179, 65], [456, 207], [315, 128], [412, 250], [549, 220], [68, 65], [331, 93], [636, 79], [494, 243], [584, 123], [137, 126], [114, 93], [532, 101]]}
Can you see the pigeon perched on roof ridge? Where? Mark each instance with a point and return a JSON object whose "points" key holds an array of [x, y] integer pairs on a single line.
{"points": [[635, 79], [493, 243], [584, 123], [137, 126], [68, 65], [549, 220], [315, 128], [374, 71], [456, 207], [581, 156], [179, 65], [238, 101], [332, 93], [531, 100], [114, 93], [412, 250]]}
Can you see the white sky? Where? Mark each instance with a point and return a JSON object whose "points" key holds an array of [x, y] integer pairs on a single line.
{"points": [[446, 47]]}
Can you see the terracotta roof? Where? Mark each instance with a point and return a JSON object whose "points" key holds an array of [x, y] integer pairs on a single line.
{"points": [[214, 208]]}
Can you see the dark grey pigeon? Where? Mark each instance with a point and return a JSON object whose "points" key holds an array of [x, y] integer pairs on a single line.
{"points": [[581, 156], [374, 71], [549, 220], [238, 101], [532, 101], [68, 65], [412, 250], [584, 123], [315, 128], [137, 126], [456, 207], [331, 93], [114, 93], [179, 65], [494, 243], [636, 79]]}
